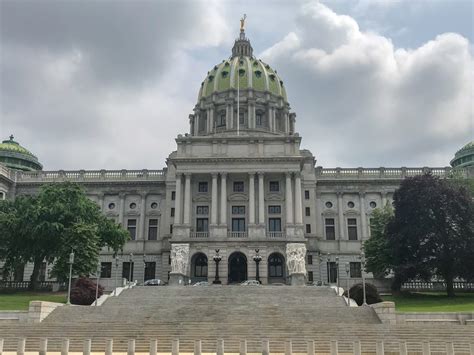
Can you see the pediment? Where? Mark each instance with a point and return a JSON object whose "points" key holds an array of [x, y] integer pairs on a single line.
{"points": [[238, 197]]}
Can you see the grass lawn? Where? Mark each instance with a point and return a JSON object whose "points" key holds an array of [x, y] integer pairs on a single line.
{"points": [[21, 300], [432, 302]]}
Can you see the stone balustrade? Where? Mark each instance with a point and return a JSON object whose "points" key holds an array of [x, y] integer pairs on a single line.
{"points": [[267, 347], [380, 173]]}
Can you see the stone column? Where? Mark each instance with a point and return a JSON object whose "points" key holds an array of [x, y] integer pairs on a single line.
{"points": [[251, 198], [289, 200], [187, 198], [191, 124], [177, 202], [270, 121], [223, 198], [142, 218], [122, 208], [298, 202], [363, 216], [317, 212], [214, 199], [197, 117], [261, 199], [287, 122], [340, 212], [227, 115], [211, 119]]}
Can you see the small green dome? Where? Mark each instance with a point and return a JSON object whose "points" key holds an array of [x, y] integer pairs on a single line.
{"points": [[242, 72], [14, 156], [464, 157]]}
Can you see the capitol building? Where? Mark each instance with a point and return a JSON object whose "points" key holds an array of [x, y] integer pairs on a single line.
{"points": [[238, 186]]}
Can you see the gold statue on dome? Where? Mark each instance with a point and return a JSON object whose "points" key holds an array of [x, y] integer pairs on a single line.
{"points": [[242, 22]]}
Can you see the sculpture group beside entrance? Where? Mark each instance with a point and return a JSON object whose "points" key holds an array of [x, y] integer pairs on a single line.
{"points": [[179, 263], [296, 263]]}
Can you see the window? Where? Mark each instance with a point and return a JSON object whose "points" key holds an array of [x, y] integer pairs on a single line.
{"points": [[274, 186], [105, 270], [238, 209], [202, 224], [202, 210], [350, 204], [18, 273], [127, 273], [172, 212], [355, 269], [150, 268], [330, 229], [200, 266], [274, 209], [132, 228], [306, 194], [133, 205], [238, 224], [259, 119], [373, 204], [275, 265], [173, 195], [308, 228], [274, 224], [310, 259], [111, 206], [307, 211], [332, 272], [238, 186], [221, 120], [171, 229], [42, 272], [203, 186], [328, 204], [241, 118], [154, 205], [352, 228], [310, 276], [153, 229]]}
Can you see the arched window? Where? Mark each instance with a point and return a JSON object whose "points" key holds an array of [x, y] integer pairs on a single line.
{"points": [[200, 265], [275, 265]]}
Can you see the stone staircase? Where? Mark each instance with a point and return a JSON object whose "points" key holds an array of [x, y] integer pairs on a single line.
{"points": [[232, 313]]}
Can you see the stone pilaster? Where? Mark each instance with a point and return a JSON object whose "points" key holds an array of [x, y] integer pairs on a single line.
{"points": [[214, 199], [187, 199], [251, 198], [177, 202], [261, 199], [289, 200], [298, 202], [223, 198], [340, 212]]}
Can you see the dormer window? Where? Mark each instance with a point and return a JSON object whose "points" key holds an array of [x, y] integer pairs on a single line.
{"points": [[272, 76], [258, 73], [211, 77], [224, 74], [241, 72]]}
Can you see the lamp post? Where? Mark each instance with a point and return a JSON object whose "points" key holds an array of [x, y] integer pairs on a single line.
{"points": [[71, 261], [217, 258], [348, 292], [97, 283], [116, 273], [337, 274], [257, 258], [362, 262], [130, 264], [144, 268]]}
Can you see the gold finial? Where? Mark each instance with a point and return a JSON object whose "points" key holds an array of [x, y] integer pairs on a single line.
{"points": [[242, 23]]}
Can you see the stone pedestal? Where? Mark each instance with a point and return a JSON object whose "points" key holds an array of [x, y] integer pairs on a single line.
{"points": [[297, 280], [177, 279]]}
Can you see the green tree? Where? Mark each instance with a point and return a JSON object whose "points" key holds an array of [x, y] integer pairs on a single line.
{"points": [[47, 227]]}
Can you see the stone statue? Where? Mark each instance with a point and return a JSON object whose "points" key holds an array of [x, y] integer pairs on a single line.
{"points": [[242, 22], [295, 258], [179, 258]]}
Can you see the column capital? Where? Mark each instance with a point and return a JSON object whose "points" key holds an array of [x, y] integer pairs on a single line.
{"points": [[187, 175], [214, 175], [297, 174], [260, 173], [143, 194], [122, 195], [223, 175], [288, 174], [252, 173]]}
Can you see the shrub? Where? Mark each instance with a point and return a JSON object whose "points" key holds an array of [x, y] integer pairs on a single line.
{"points": [[83, 291], [371, 293]]}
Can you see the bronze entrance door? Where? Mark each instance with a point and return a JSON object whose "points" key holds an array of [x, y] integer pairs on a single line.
{"points": [[237, 268]]}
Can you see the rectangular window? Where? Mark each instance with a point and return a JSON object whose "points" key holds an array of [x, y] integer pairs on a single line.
{"points": [[238, 186], [172, 212], [352, 228], [241, 118], [308, 228], [202, 210], [238, 224], [171, 229], [330, 229], [307, 211], [42, 272], [310, 259], [274, 209], [132, 228], [355, 269], [105, 270], [18, 273], [126, 272], [238, 209], [153, 229], [310, 276], [150, 268], [202, 225], [274, 186], [332, 272], [259, 119], [274, 224], [173, 195], [306, 194], [221, 120], [202, 186]]}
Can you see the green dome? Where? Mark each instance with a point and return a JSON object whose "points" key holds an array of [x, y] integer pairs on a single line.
{"points": [[244, 72], [464, 157], [14, 156]]}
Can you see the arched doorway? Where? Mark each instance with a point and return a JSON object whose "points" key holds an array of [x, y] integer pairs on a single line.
{"points": [[199, 267], [276, 268], [237, 267]]}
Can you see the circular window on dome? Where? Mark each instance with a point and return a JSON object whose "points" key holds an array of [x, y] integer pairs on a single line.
{"points": [[241, 72], [272, 76], [329, 204], [255, 63], [241, 62], [373, 204], [154, 205], [111, 206], [211, 77], [226, 64], [133, 205], [224, 74], [350, 204], [258, 73]]}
